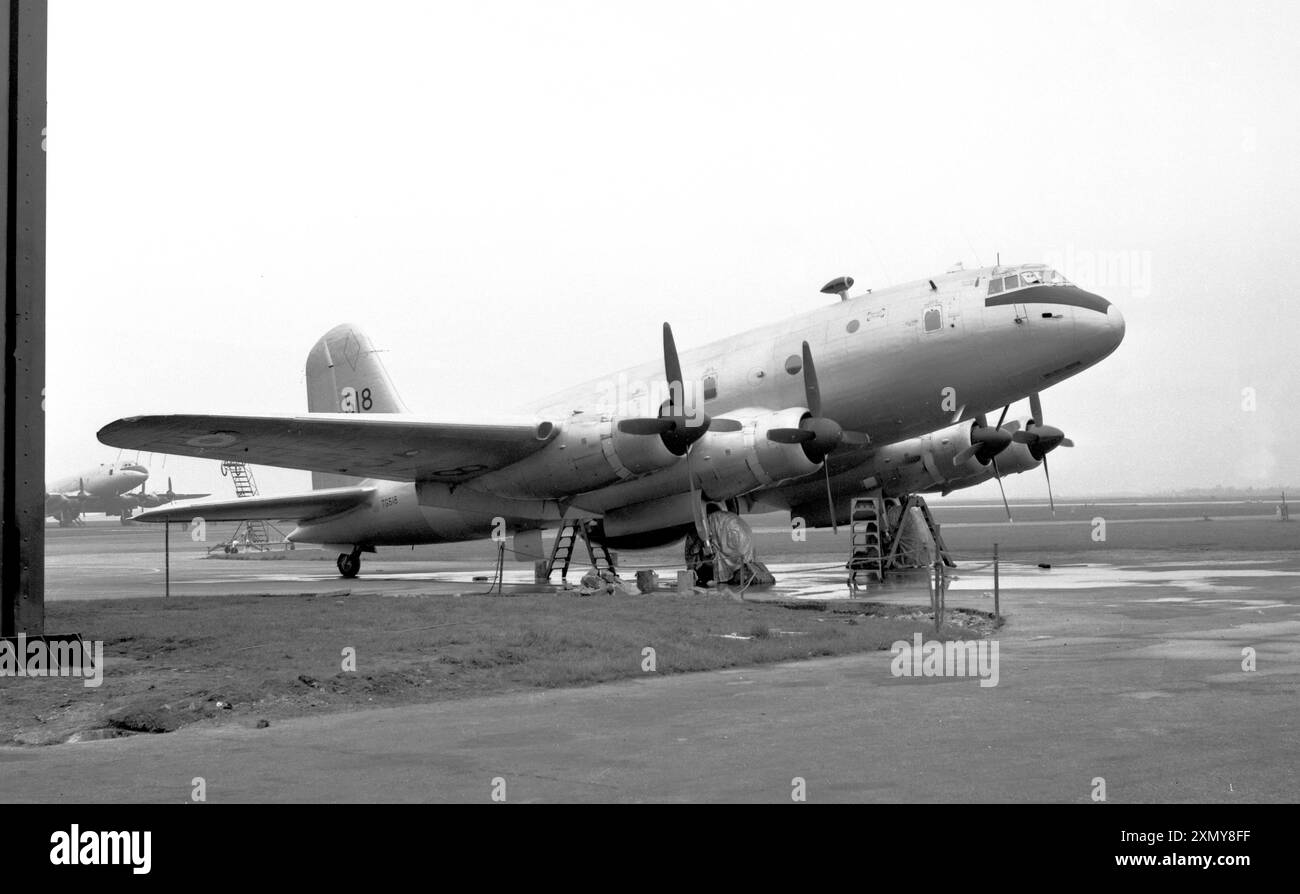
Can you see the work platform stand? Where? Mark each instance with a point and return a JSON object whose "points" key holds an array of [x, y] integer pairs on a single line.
{"points": [[890, 534]]}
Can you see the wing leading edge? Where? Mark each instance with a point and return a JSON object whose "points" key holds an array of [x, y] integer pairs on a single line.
{"points": [[291, 507], [392, 447]]}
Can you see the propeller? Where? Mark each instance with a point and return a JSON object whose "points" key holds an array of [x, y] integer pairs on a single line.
{"points": [[817, 434], [81, 489], [677, 430], [986, 442], [1041, 439]]}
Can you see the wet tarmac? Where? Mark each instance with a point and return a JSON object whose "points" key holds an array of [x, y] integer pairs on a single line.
{"points": [[1174, 678]]}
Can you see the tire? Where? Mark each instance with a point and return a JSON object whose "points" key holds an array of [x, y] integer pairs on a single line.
{"points": [[349, 564]]}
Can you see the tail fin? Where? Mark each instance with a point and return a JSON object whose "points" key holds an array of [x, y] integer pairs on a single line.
{"points": [[345, 375]]}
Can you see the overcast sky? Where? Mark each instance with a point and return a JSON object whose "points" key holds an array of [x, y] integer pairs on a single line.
{"points": [[511, 197]]}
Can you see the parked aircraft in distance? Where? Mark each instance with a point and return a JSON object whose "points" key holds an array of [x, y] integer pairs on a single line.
{"points": [[888, 392], [107, 488]]}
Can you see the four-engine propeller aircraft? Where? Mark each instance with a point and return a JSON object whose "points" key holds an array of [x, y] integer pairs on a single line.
{"points": [[107, 488], [887, 392]]}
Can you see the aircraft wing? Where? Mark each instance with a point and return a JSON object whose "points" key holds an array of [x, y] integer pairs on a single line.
{"points": [[292, 507], [394, 447]]}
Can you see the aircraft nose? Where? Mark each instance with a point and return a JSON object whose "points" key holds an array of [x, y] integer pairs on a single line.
{"points": [[1115, 326]]}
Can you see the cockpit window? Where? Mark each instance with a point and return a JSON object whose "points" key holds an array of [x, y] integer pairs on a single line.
{"points": [[1026, 278]]}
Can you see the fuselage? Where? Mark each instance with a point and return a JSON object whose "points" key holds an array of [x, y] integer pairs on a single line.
{"points": [[104, 480], [98, 489], [894, 363]]}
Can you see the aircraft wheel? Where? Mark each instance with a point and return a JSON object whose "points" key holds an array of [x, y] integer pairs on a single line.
{"points": [[349, 564]]}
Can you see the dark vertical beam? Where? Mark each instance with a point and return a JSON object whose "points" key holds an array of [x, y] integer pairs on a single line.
{"points": [[22, 379]]}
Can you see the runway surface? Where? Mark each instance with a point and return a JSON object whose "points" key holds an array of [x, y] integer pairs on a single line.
{"points": [[1125, 666]]}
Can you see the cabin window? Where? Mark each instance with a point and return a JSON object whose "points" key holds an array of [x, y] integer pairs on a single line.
{"points": [[853, 326], [933, 319], [710, 387]]}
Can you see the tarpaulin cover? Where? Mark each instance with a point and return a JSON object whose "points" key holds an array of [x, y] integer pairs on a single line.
{"points": [[733, 544]]}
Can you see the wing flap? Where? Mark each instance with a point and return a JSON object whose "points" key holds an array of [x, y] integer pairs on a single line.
{"points": [[393, 447]]}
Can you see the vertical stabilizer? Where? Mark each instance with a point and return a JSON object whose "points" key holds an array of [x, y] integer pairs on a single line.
{"points": [[345, 375]]}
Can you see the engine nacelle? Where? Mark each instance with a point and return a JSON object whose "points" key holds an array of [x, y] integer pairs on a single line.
{"points": [[920, 464], [587, 452], [926, 464], [728, 464]]}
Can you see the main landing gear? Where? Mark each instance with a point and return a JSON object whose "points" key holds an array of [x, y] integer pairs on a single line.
{"points": [[349, 563]]}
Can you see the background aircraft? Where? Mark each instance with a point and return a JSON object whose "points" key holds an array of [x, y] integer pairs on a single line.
{"points": [[907, 377], [107, 488]]}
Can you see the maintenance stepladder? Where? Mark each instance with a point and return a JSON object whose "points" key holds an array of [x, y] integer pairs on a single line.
{"points": [[878, 541], [256, 535], [566, 541], [866, 542]]}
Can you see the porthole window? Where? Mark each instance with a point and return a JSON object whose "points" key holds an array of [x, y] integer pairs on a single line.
{"points": [[933, 319], [793, 364], [710, 387], [853, 326]]}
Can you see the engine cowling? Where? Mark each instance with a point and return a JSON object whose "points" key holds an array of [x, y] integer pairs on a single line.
{"points": [[586, 452], [726, 464], [919, 464], [927, 463]]}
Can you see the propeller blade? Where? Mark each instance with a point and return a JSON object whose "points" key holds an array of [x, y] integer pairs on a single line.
{"points": [[812, 391], [684, 429], [997, 473], [725, 425], [672, 365], [965, 454], [790, 435], [856, 439], [1024, 437], [1003, 417], [1046, 472], [1036, 407], [1065, 442], [830, 499], [646, 426]]}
